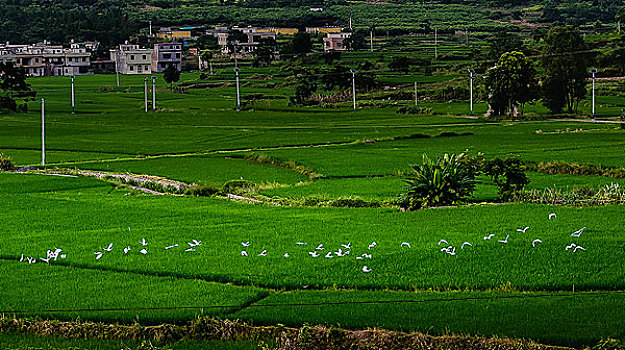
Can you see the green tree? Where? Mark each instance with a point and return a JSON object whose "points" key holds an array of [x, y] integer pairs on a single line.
{"points": [[171, 74], [566, 60], [511, 83], [305, 86], [265, 52], [301, 44], [400, 64], [504, 42], [357, 41], [13, 88], [207, 42], [508, 174]]}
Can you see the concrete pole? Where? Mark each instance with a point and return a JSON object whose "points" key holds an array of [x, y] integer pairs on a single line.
{"points": [[354, 87], [236, 72], [145, 93], [154, 93], [416, 94], [471, 71], [435, 42], [43, 132], [593, 71], [117, 71], [73, 99], [371, 38]]}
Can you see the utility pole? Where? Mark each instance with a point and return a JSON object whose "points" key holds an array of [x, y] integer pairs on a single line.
{"points": [[73, 100], [354, 86], [416, 94], [471, 71], [236, 72], [145, 93], [43, 132], [117, 69], [371, 38], [351, 29], [593, 71], [150, 29], [436, 43], [154, 93]]}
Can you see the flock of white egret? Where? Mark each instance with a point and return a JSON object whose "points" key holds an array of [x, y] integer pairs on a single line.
{"points": [[320, 250]]}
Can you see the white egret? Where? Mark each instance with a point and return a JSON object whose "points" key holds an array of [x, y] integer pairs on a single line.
{"points": [[373, 244], [504, 241], [171, 246], [245, 244], [320, 247], [572, 245], [190, 250], [552, 216], [143, 242], [143, 251], [126, 250], [536, 241], [578, 232], [98, 255], [522, 229], [486, 238], [405, 244], [365, 269], [466, 243], [243, 253], [347, 246], [329, 255], [109, 248], [286, 255], [263, 253], [442, 241], [314, 254], [578, 247]]}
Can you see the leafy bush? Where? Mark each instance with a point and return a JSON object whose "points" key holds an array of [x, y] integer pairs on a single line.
{"points": [[436, 183], [415, 110], [508, 174], [5, 163], [238, 186], [352, 202], [202, 190]]}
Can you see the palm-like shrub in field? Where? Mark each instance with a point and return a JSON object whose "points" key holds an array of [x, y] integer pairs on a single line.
{"points": [[440, 182], [5, 163]]}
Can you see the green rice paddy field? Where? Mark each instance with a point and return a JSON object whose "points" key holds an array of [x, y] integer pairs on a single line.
{"points": [[546, 293]]}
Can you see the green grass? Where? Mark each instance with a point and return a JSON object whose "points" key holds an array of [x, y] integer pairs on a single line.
{"points": [[546, 317], [30, 342], [215, 169]]}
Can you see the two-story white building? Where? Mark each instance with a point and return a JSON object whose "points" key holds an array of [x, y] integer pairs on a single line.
{"points": [[131, 59]]}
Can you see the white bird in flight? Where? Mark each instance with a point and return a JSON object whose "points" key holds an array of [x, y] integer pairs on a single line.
{"points": [[505, 241], [143, 242], [243, 253], [190, 250], [286, 255], [536, 241], [486, 238], [572, 245], [194, 243], [314, 254], [320, 247], [109, 248], [126, 250], [301, 243], [339, 252], [522, 229], [578, 232], [442, 241], [47, 261], [365, 269], [466, 243], [347, 246], [405, 244], [263, 253], [373, 244], [578, 247], [245, 244], [171, 246], [329, 255], [98, 255], [143, 251], [552, 216]]}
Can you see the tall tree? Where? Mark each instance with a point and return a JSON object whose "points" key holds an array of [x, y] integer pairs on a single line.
{"points": [[504, 42], [171, 74], [13, 87], [566, 61], [512, 83]]}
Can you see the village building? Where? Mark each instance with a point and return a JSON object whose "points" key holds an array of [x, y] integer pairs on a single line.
{"points": [[334, 41], [131, 59], [165, 55]]}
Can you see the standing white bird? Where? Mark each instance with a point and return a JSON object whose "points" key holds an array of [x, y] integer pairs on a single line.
{"points": [[98, 255], [314, 254], [347, 246], [536, 241], [329, 255], [245, 244], [243, 253], [286, 255], [126, 250], [442, 241], [263, 253], [320, 247], [143, 242], [578, 232], [365, 269], [405, 244], [572, 245], [522, 229], [109, 248], [486, 238], [553, 216], [578, 247], [466, 243], [143, 251], [505, 241], [373, 244]]}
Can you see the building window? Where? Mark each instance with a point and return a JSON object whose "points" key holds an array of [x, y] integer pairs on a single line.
{"points": [[146, 68], [167, 55], [132, 68], [144, 57], [132, 57], [177, 55]]}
